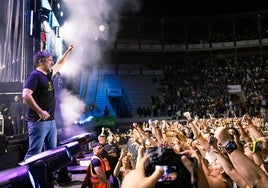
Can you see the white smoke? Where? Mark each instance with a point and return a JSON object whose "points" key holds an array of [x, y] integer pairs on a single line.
{"points": [[89, 22], [83, 29], [71, 108]]}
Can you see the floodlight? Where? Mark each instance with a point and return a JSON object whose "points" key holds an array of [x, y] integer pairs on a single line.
{"points": [[43, 165], [82, 139], [44, 15], [16, 177]]}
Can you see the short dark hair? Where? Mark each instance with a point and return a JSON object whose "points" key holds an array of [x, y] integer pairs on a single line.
{"points": [[102, 135], [40, 55], [96, 144]]}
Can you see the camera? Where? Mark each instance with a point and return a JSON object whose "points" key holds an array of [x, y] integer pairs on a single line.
{"points": [[175, 173]]}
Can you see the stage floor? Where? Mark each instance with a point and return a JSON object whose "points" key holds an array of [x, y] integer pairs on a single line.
{"points": [[76, 182], [77, 172]]}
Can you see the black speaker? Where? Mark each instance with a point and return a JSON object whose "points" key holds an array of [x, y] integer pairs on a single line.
{"points": [[3, 144]]}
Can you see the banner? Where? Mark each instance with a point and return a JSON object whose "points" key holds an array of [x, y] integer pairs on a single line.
{"points": [[234, 88], [114, 92]]}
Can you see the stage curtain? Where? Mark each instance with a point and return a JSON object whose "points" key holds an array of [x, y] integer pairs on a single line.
{"points": [[12, 39]]}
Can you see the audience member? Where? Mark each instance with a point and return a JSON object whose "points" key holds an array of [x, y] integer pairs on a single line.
{"points": [[136, 178], [251, 172], [230, 151], [113, 152], [124, 165]]}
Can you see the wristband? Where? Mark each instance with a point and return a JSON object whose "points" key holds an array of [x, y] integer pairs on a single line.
{"points": [[229, 146], [256, 146]]}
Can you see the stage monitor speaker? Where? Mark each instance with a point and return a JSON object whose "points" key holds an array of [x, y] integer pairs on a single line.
{"points": [[3, 144], [16, 177], [43, 165], [82, 139]]}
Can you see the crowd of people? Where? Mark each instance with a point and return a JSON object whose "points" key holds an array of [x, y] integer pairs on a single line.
{"points": [[230, 152], [201, 86]]}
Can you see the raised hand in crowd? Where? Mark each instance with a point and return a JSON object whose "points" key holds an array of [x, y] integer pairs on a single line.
{"points": [[250, 172], [137, 178]]}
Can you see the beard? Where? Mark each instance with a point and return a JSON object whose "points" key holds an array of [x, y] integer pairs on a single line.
{"points": [[47, 68]]}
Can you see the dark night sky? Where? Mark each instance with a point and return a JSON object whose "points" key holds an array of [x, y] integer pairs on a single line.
{"points": [[172, 8]]}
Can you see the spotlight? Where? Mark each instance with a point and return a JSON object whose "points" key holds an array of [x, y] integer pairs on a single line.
{"points": [[102, 28], [16, 177], [103, 32], [86, 118], [43, 165], [82, 139], [44, 19]]}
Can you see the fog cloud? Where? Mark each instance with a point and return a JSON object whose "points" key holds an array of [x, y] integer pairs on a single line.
{"points": [[83, 29], [88, 23]]}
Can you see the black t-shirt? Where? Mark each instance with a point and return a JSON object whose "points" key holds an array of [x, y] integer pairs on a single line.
{"points": [[43, 93], [95, 163], [112, 148], [16, 109]]}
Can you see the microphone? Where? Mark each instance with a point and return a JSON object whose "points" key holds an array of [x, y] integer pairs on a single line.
{"points": [[49, 111]]}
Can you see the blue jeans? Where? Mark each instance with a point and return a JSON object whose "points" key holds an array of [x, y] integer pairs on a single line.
{"points": [[42, 136]]}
